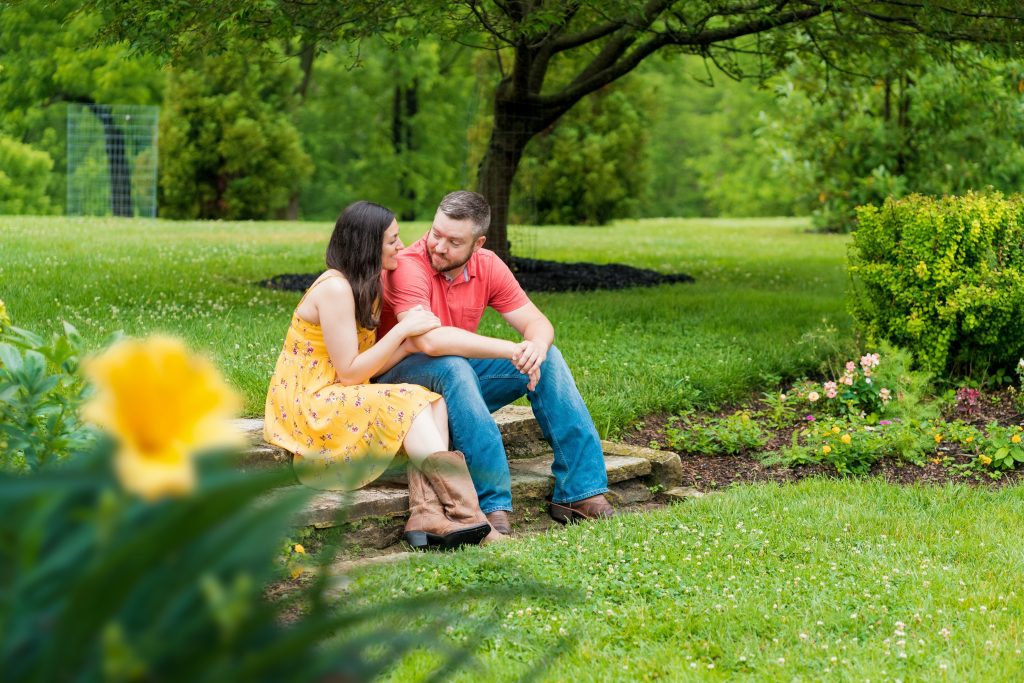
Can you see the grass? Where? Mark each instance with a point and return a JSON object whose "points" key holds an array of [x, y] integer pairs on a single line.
{"points": [[823, 580], [767, 304]]}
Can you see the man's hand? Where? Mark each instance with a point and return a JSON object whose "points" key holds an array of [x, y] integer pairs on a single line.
{"points": [[529, 356], [534, 379]]}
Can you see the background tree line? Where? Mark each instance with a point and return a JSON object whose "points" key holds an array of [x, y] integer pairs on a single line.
{"points": [[292, 131]]}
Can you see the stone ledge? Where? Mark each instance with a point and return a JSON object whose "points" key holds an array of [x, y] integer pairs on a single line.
{"points": [[519, 432], [666, 466], [531, 482]]}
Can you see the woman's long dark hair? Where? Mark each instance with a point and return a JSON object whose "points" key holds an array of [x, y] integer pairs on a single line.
{"points": [[355, 250]]}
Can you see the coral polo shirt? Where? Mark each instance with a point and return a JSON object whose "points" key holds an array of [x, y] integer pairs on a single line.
{"points": [[485, 281]]}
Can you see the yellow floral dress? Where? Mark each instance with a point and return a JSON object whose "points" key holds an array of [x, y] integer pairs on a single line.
{"points": [[343, 437]]}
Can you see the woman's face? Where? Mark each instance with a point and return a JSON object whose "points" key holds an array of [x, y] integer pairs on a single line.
{"points": [[392, 245]]}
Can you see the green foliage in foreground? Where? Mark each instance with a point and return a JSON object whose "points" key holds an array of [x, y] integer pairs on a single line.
{"points": [[943, 278], [755, 313], [823, 581], [99, 585], [41, 392]]}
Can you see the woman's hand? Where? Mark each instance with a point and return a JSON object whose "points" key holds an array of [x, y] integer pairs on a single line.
{"points": [[418, 321]]}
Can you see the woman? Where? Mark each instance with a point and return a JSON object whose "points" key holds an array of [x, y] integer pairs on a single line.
{"points": [[344, 431]]}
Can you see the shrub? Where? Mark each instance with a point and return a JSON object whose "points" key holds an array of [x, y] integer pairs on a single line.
{"points": [[718, 435], [852, 446], [228, 147], [24, 174], [40, 393], [943, 278]]}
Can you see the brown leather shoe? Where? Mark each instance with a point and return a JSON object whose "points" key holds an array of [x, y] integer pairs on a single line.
{"points": [[499, 522], [595, 507]]}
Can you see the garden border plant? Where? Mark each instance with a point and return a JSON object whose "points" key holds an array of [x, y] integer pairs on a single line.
{"points": [[943, 278]]}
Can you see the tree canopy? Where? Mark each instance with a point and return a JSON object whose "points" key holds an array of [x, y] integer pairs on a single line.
{"points": [[552, 54]]}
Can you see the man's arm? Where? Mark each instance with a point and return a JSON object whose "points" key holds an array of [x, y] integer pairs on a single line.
{"points": [[538, 335], [452, 341]]}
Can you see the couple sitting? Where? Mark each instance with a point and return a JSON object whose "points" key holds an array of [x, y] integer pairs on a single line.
{"points": [[386, 332]]}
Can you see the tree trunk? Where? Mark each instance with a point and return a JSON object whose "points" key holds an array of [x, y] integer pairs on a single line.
{"points": [[117, 162], [405, 106], [513, 129]]}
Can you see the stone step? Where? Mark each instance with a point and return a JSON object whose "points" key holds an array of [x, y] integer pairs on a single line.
{"points": [[519, 431], [531, 482]]}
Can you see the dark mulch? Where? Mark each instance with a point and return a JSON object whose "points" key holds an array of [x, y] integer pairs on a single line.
{"points": [[713, 472], [535, 275]]}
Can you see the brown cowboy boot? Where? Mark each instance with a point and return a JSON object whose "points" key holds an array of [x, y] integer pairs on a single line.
{"points": [[448, 474], [428, 525]]}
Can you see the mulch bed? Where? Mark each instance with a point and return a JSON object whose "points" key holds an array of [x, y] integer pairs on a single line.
{"points": [[714, 472], [536, 275]]}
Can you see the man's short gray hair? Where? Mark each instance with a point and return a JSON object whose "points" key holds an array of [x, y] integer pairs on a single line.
{"points": [[464, 204]]}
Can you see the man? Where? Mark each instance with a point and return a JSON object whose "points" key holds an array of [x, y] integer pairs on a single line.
{"points": [[450, 273]]}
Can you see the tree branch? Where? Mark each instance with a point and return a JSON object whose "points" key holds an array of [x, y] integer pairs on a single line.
{"points": [[611, 64]]}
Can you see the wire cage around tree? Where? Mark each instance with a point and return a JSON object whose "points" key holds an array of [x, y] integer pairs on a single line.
{"points": [[112, 160]]}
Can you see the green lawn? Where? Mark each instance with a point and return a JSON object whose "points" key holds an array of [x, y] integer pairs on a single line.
{"points": [[818, 581], [768, 301]]}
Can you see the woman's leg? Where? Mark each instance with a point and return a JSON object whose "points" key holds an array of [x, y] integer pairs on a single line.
{"points": [[439, 411], [427, 435], [424, 437]]}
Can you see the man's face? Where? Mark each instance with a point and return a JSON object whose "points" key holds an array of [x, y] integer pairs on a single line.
{"points": [[450, 243]]}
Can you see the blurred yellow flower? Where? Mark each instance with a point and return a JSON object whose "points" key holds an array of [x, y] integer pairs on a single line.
{"points": [[985, 460], [938, 438], [846, 438], [5, 319], [1015, 438], [826, 449], [299, 549], [163, 404], [835, 430], [969, 439]]}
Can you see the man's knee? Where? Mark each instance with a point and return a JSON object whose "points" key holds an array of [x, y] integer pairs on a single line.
{"points": [[451, 376]]}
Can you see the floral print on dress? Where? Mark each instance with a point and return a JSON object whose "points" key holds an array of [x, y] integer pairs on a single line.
{"points": [[313, 416]]}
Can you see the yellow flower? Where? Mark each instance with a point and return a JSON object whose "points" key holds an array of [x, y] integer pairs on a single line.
{"points": [[938, 438], [299, 549], [936, 461], [846, 438], [826, 449], [969, 439], [835, 430], [1015, 438], [985, 460], [5, 319], [163, 405]]}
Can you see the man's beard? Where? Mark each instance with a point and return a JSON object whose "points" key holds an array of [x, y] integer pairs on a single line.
{"points": [[446, 267]]}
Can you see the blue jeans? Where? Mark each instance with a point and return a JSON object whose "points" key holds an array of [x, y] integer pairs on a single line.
{"points": [[473, 388]]}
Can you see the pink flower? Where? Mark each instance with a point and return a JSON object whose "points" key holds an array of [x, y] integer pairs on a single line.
{"points": [[830, 389], [813, 396], [847, 380], [885, 395], [831, 393], [851, 366], [869, 361], [809, 418]]}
